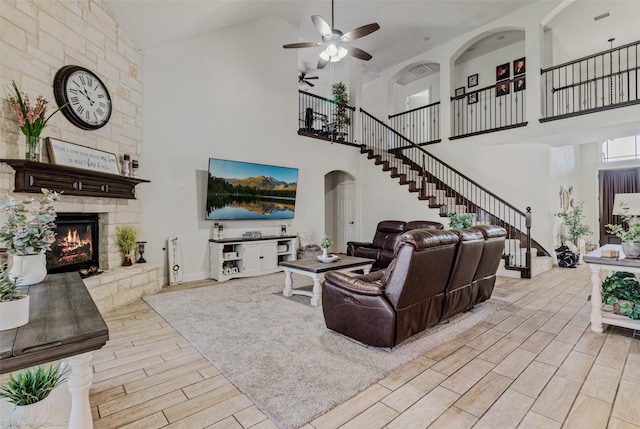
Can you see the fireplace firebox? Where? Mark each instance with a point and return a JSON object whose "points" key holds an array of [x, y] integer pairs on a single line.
{"points": [[76, 244]]}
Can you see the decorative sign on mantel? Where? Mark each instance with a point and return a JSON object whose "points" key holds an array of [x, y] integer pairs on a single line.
{"points": [[73, 155]]}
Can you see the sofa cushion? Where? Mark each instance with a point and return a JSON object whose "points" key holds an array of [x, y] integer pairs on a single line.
{"points": [[387, 233], [420, 224]]}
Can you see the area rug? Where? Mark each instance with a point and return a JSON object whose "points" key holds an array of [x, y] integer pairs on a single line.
{"points": [[278, 352]]}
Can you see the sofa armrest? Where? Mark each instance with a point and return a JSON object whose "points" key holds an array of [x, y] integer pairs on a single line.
{"points": [[370, 285], [353, 245]]}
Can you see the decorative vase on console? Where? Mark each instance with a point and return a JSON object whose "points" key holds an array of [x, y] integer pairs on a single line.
{"points": [[31, 119], [630, 236], [325, 244], [28, 234]]}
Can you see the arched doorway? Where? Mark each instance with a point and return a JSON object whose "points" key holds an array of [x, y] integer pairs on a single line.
{"points": [[340, 209]]}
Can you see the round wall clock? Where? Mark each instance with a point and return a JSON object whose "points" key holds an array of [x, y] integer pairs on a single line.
{"points": [[89, 103]]}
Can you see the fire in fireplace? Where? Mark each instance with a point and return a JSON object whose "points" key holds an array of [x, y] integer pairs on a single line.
{"points": [[76, 244]]}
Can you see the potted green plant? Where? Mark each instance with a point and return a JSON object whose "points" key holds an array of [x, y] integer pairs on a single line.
{"points": [[341, 100], [29, 391], [14, 306], [27, 233], [622, 290], [127, 237], [572, 219], [630, 235], [325, 244], [460, 220]]}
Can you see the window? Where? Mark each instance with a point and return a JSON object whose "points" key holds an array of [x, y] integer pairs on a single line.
{"points": [[622, 149]]}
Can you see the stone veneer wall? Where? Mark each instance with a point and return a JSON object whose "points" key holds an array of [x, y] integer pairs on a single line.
{"points": [[37, 38]]}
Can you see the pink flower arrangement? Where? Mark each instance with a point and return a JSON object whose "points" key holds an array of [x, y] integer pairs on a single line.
{"points": [[31, 118]]}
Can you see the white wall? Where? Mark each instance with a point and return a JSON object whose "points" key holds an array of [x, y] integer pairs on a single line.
{"points": [[224, 95]]}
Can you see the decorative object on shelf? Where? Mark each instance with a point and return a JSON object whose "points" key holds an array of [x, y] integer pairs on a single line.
{"points": [[87, 96], [627, 206], [459, 91], [27, 234], [341, 100], [134, 168], [229, 268], [14, 306], [622, 290], [460, 220], [503, 72], [572, 220], [72, 155], [31, 119], [126, 161], [29, 392], [472, 80], [519, 66], [127, 236], [88, 272], [283, 230], [325, 244], [140, 248], [252, 234]]}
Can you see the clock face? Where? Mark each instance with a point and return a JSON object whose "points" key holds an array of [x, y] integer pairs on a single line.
{"points": [[88, 101]]}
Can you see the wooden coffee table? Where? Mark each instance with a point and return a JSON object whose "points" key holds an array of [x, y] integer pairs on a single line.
{"points": [[315, 269]]}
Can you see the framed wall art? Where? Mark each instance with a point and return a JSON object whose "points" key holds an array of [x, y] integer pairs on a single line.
{"points": [[519, 84], [502, 89], [73, 155], [472, 80], [503, 72], [472, 98], [519, 66], [460, 91]]}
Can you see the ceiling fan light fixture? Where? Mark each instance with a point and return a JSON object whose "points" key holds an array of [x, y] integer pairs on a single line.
{"points": [[342, 52], [324, 55], [332, 50]]}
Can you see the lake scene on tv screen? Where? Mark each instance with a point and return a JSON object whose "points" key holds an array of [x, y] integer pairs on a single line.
{"points": [[243, 190]]}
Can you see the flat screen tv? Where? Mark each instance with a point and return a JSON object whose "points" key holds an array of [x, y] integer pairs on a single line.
{"points": [[243, 190]]}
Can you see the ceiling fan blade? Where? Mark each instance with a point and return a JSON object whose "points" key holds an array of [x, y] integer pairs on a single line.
{"points": [[311, 77], [302, 45], [309, 83], [359, 54], [322, 26], [359, 32], [322, 63]]}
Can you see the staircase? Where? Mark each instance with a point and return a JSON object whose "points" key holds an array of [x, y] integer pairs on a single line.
{"points": [[447, 190]]}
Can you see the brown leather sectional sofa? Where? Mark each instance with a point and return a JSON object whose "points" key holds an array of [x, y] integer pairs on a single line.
{"points": [[384, 240], [435, 275]]}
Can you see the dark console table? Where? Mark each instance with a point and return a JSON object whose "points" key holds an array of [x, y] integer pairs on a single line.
{"points": [[64, 322]]}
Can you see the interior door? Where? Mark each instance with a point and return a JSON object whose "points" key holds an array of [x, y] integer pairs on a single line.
{"points": [[614, 182], [345, 214]]}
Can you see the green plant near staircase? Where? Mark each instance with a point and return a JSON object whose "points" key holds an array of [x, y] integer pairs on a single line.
{"points": [[573, 220], [341, 99], [460, 220]]}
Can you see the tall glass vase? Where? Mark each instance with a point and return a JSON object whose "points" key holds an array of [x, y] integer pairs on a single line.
{"points": [[32, 148]]}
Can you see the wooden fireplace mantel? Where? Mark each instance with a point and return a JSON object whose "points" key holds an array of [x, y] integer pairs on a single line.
{"points": [[32, 176]]}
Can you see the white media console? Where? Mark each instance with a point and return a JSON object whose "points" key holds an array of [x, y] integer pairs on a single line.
{"points": [[245, 257]]}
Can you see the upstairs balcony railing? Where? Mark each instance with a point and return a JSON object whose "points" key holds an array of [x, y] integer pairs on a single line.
{"points": [[420, 125], [493, 108], [602, 81], [320, 117]]}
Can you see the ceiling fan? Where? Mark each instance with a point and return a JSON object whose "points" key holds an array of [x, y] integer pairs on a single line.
{"points": [[333, 39], [303, 79]]}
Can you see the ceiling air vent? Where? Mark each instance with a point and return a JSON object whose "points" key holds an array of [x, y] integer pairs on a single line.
{"points": [[602, 16]]}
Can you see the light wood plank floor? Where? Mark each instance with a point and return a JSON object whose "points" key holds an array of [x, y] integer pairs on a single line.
{"points": [[534, 364]]}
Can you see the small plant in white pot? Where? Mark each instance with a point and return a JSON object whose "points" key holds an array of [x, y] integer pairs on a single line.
{"points": [[325, 244], [28, 390], [14, 306], [27, 233], [630, 236]]}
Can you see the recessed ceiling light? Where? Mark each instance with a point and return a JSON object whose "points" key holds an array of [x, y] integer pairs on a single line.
{"points": [[602, 16]]}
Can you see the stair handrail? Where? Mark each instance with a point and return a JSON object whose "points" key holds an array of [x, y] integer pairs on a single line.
{"points": [[419, 148], [435, 103], [328, 100]]}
